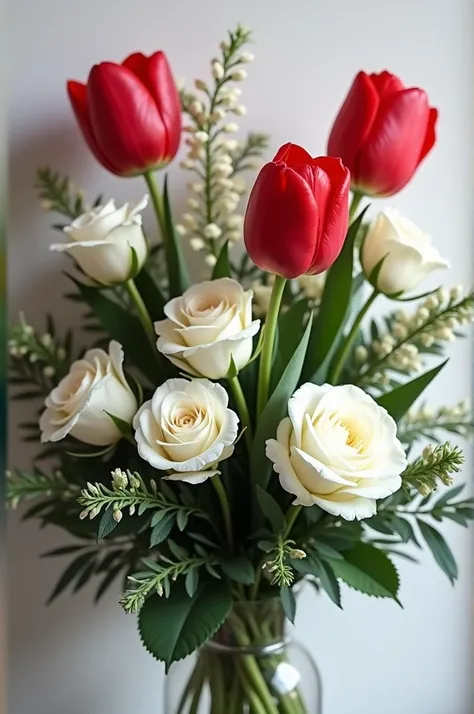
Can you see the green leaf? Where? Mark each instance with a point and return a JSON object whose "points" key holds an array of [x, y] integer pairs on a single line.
{"points": [[70, 573], [107, 524], [329, 582], [150, 294], [182, 518], [289, 334], [191, 581], [369, 570], [440, 549], [239, 569], [65, 550], [177, 271], [134, 264], [162, 530], [107, 581], [222, 267], [399, 400], [271, 509], [334, 305], [157, 517], [122, 326], [288, 602], [449, 495], [173, 628], [122, 425], [276, 409]]}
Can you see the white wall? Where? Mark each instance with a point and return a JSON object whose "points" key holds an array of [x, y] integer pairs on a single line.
{"points": [[375, 658]]}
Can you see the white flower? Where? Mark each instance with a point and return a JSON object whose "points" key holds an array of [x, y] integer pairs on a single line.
{"points": [[239, 75], [186, 428], [212, 231], [407, 252], [246, 57], [102, 241], [217, 70], [210, 260], [230, 127], [210, 323], [240, 110], [338, 449], [78, 406], [197, 243]]}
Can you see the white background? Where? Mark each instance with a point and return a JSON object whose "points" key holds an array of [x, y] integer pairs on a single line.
{"points": [[375, 658]]}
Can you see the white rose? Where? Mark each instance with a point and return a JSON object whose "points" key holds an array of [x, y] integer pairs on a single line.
{"points": [[78, 406], [210, 323], [102, 239], [338, 449], [407, 251], [186, 428]]}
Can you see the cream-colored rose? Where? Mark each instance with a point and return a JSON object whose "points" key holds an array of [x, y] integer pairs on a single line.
{"points": [[210, 323], [186, 428], [102, 239], [78, 406], [338, 449], [408, 254]]}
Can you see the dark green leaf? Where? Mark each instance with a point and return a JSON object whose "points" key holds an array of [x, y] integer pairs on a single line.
{"points": [[178, 552], [123, 426], [182, 519], [107, 581], [107, 524], [162, 530], [276, 410], [65, 550], [271, 509], [334, 305], [290, 327], [85, 576], [173, 628], [239, 569], [157, 517], [177, 271], [449, 495], [329, 582], [222, 267], [191, 581], [369, 570], [326, 551], [288, 602], [399, 400], [440, 549], [150, 294]]}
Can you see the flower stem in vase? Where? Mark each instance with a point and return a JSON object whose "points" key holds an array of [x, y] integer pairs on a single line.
{"points": [[268, 342], [142, 312]]}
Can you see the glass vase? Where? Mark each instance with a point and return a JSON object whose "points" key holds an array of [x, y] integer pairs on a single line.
{"points": [[251, 666]]}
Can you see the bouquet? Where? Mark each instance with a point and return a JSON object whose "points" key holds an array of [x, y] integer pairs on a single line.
{"points": [[216, 445]]}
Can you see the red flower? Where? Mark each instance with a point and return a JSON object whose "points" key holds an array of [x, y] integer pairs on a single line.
{"points": [[129, 113], [297, 214], [382, 133]]}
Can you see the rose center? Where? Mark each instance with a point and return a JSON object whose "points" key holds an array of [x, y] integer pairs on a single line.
{"points": [[353, 439]]}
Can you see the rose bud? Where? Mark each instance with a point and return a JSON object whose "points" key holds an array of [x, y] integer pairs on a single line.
{"points": [[129, 113], [297, 214], [107, 242], [407, 254], [382, 133]]}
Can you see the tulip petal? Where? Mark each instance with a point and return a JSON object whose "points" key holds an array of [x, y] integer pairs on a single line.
{"points": [[156, 75], [391, 152], [125, 119], [354, 121], [78, 98], [293, 155], [430, 134], [281, 222], [386, 83]]}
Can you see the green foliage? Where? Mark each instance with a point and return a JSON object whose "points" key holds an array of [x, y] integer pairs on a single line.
{"points": [[369, 570], [288, 601], [222, 268], [177, 270], [399, 400], [57, 193], [23, 486], [173, 628], [280, 552], [252, 148], [424, 423], [440, 549], [432, 466], [276, 409]]}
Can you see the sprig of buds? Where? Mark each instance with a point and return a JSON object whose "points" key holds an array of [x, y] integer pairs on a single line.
{"points": [[434, 465], [43, 352]]}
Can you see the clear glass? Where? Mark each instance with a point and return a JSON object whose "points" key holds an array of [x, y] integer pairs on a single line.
{"points": [[250, 667]]}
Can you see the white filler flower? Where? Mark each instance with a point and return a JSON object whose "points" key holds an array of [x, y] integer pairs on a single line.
{"points": [[338, 449]]}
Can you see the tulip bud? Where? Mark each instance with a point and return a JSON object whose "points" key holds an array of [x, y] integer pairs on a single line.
{"points": [[397, 255], [122, 117], [297, 213], [382, 133]]}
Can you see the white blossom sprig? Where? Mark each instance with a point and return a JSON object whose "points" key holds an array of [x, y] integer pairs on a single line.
{"points": [[436, 464], [407, 338], [23, 486], [39, 359], [214, 156], [427, 423]]}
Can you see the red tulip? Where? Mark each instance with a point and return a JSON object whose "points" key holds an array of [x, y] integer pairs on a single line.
{"points": [[382, 133], [297, 214], [129, 113]]}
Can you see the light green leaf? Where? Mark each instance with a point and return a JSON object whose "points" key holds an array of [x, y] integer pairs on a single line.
{"points": [[334, 306], [288, 602], [289, 334], [173, 628], [369, 570], [399, 400], [271, 509], [222, 267], [440, 549], [177, 271], [150, 294], [276, 410], [239, 569], [123, 426], [162, 530]]}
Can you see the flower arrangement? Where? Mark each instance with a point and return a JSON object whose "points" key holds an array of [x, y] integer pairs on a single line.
{"points": [[219, 443]]}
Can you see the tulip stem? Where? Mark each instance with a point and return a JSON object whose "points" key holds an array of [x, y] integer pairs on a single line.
{"points": [[357, 197], [336, 369], [268, 343], [142, 312], [159, 206], [243, 410]]}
